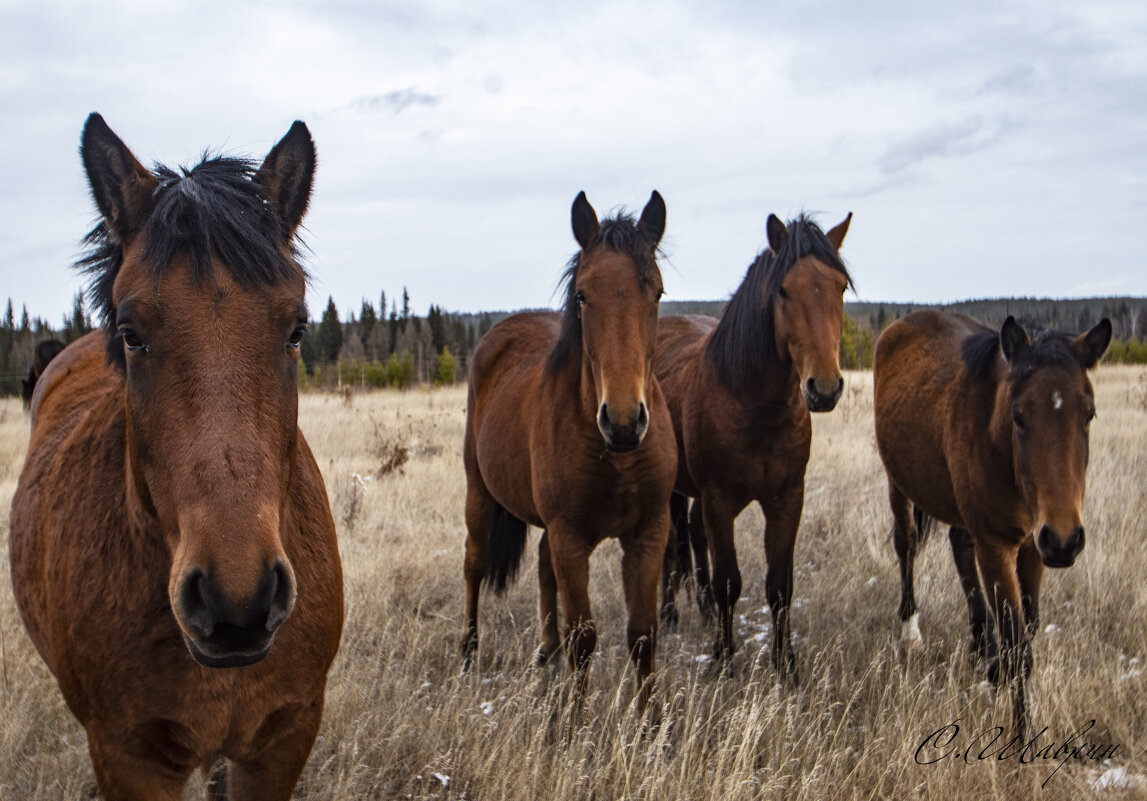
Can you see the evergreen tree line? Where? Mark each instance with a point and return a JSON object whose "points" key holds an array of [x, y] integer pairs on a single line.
{"points": [[393, 347], [18, 339], [377, 348]]}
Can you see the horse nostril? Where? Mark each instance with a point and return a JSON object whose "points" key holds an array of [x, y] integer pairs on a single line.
{"points": [[1044, 541], [810, 385], [603, 418], [1077, 541], [282, 596], [642, 416], [199, 604]]}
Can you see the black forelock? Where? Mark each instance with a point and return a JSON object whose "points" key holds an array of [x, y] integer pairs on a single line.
{"points": [[214, 210], [618, 233], [744, 339]]}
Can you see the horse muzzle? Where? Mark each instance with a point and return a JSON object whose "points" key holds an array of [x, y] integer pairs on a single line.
{"points": [[819, 400], [220, 633], [623, 437], [1056, 551]]}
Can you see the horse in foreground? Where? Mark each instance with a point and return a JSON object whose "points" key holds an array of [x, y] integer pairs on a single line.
{"points": [[172, 549], [740, 391], [567, 430], [987, 431]]}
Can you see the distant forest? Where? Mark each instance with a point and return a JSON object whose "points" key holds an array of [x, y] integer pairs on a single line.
{"points": [[388, 345]]}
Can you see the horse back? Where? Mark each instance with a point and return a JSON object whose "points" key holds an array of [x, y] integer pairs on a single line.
{"points": [[503, 400], [72, 460], [928, 412]]}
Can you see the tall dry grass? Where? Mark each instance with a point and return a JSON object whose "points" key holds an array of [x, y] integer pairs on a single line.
{"points": [[402, 723]]}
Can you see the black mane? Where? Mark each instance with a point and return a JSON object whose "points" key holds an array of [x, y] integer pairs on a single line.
{"points": [[1047, 349], [618, 233], [215, 209], [744, 339]]}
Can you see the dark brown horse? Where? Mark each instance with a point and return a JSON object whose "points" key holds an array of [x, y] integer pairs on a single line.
{"points": [[988, 432], [567, 430], [46, 350], [740, 392], [173, 552]]}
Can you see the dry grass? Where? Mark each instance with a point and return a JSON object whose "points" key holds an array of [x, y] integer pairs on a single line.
{"points": [[402, 723]]}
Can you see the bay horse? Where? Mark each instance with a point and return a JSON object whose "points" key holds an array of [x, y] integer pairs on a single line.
{"points": [[987, 431], [173, 553], [46, 350], [567, 431], [740, 391]]}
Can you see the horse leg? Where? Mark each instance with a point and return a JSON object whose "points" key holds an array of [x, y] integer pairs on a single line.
{"points": [[700, 546], [640, 557], [677, 562], [1013, 664], [570, 557], [719, 516], [904, 536], [964, 555], [270, 771], [124, 775], [782, 518], [1029, 568], [547, 603], [479, 517]]}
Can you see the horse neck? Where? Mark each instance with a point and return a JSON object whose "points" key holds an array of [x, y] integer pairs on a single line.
{"points": [[1000, 424], [773, 383]]}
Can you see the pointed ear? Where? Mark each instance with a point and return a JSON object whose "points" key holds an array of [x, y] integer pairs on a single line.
{"points": [[584, 221], [836, 235], [1013, 338], [287, 175], [777, 232], [1091, 346], [121, 186], [652, 222]]}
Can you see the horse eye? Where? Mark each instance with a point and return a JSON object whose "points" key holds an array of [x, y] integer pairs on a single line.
{"points": [[1018, 419], [783, 293], [132, 341], [1090, 417], [660, 294], [579, 296], [296, 336]]}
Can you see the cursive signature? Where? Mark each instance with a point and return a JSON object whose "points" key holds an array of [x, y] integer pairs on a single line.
{"points": [[946, 745]]}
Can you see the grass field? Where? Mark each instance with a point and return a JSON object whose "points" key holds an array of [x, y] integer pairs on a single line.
{"points": [[402, 723]]}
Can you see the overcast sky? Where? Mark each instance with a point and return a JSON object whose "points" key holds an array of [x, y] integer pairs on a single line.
{"points": [[985, 149]]}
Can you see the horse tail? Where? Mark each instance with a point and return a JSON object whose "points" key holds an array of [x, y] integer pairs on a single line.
{"points": [[926, 525], [679, 521], [507, 544]]}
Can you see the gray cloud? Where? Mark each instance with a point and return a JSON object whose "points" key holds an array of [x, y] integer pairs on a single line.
{"points": [[941, 141], [396, 101]]}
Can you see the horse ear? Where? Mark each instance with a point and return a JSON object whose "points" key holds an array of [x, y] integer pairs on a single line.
{"points": [[121, 186], [584, 221], [1089, 347], [777, 232], [1013, 338], [652, 222], [836, 235], [287, 174]]}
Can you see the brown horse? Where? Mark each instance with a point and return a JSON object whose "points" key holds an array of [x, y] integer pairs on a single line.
{"points": [[988, 432], [173, 552], [740, 392], [567, 430], [46, 350]]}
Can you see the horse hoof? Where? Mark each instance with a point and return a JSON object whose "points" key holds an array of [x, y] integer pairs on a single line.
{"points": [[910, 633]]}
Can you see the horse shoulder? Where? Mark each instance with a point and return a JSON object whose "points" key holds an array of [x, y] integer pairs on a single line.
{"points": [[311, 543]]}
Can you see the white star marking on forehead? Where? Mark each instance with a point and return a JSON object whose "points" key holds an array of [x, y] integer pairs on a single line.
{"points": [[1056, 400]]}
